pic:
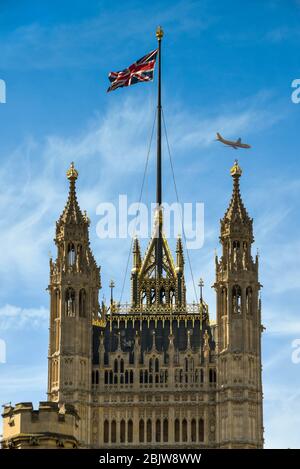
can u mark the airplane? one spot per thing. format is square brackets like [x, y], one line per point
[235, 145]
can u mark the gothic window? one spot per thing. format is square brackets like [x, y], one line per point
[201, 375]
[150, 365]
[71, 254]
[106, 377]
[126, 377]
[113, 435]
[82, 303]
[146, 377]
[142, 431]
[149, 431]
[144, 297]
[110, 377]
[157, 431]
[172, 297]
[224, 300]
[236, 299]
[122, 379]
[79, 257]
[201, 430]
[166, 430]
[116, 366]
[193, 430]
[116, 379]
[177, 430]
[70, 302]
[184, 430]
[131, 377]
[97, 377]
[56, 304]
[122, 431]
[122, 366]
[212, 376]
[106, 431]
[249, 300]
[156, 365]
[162, 296]
[152, 296]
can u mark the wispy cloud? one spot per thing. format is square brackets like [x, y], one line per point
[14, 317]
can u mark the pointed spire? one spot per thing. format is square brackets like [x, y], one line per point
[72, 213]
[179, 252]
[136, 255]
[236, 214]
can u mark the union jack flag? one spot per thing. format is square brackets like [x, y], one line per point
[141, 70]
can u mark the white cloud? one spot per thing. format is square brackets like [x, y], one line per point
[15, 317]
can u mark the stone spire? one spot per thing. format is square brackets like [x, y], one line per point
[72, 213]
[236, 219]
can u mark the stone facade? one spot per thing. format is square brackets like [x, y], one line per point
[157, 373]
[52, 426]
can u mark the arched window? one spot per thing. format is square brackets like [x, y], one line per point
[113, 435]
[70, 302]
[149, 431]
[122, 431]
[82, 303]
[110, 377]
[56, 304]
[201, 375]
[157, 431]
[131, 377]
[201, 430]
[97, 377]
[150, 365]
[249, 300]
[116, 366]
[146, 377]
[130, 431]
[106, 377]
[122, 365]
[224, 300]
[79, 257]
[177, 430]
[106, 431]
[71, 254]
[126, 377]
[162, 296]
[156, 365]
[193, 430]
[144, 297]
[166, 430]
[142, 431]
[184, 430]
[172, 297]
[152, 296]
[212, 376]
[236, 299]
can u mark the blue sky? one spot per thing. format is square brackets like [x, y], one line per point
[226, 68]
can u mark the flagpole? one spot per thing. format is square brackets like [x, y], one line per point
[159, 254]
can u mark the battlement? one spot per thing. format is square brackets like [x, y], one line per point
[52, 425]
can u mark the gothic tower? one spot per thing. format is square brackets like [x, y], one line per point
[74, 287]
[239, 386]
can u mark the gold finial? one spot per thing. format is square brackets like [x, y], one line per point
[159, 33]
[72, 173]
[236, 170]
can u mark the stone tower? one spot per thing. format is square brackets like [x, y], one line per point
[238, 344]
[74, 287]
